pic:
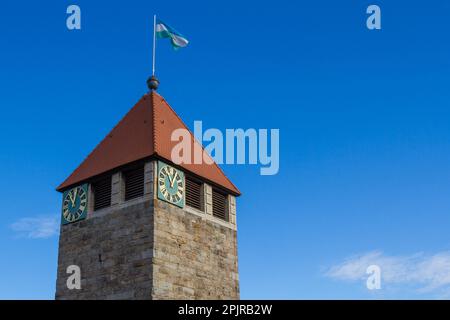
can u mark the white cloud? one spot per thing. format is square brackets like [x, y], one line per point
[426, 273]
[36, 227]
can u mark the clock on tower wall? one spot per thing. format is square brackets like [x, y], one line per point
[74, 207]
[170, 184]
[127, 204]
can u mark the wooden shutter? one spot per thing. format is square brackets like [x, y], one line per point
[102, 193]
[194, 193]
[134, 183]
[219, 205]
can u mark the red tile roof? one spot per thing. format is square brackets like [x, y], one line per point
[145, 131]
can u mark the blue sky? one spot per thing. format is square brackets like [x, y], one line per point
[363, 117]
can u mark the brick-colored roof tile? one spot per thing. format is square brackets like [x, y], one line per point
[144, 131]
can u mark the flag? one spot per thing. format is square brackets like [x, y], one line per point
[163, 30]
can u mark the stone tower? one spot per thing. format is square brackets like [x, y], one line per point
[139, 226]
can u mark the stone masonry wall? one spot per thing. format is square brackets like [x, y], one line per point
[148, 249]
[113, 248]
[194, 258]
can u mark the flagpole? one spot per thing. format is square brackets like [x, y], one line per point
[152, 82]
[154, 44]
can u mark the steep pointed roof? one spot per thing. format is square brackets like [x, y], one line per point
[145, 131]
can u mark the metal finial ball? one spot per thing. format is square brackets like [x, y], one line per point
[152, 83]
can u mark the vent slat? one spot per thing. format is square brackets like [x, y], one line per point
[102, 193]
[194, 194]
[134, 183]
[219, 204]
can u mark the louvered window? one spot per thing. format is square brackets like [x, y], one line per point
[134, 183]
[194, 193]
[219, 205]
[102, 193]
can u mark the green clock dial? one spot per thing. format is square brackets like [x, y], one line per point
[170, 184]
[74, 204]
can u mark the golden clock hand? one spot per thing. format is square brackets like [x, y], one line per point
[170, 179]
[70, 198]
[172, 182]
[75, 197]
[169, 175]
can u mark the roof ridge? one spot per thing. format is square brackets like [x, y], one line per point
[129, 140]
[195, 140]
[101, 141]
[152, 103]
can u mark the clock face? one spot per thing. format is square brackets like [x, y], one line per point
[170, 184]
[74, 204]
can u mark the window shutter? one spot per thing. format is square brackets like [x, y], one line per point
[194, 194]
[219, 205]
[102, 193]
[134, 183]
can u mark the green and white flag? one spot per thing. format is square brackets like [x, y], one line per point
[163, 30]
